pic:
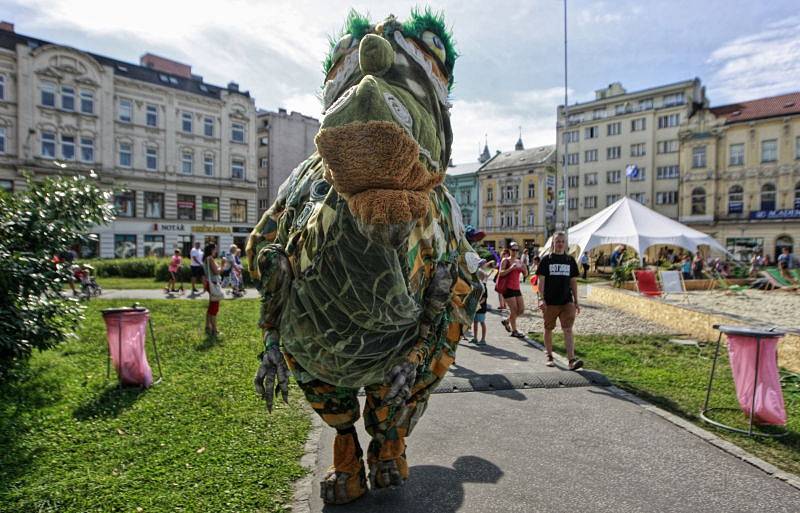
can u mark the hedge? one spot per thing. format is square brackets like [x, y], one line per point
[156, 268]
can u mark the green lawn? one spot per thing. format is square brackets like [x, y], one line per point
[71, 441]
[675, 378]
[135, 283]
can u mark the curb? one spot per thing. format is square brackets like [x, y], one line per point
[303, 486]
[728, 447]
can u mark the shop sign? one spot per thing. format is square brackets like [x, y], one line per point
[787, 213]
[200, 228]
[161, 227]
[186, 204]
[242, 229]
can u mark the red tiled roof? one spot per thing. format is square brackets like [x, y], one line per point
[774, 106]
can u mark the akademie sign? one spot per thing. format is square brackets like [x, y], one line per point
[788, 213]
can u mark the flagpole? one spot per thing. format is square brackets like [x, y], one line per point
[565, 131]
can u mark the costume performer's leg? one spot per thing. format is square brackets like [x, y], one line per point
[346, 479]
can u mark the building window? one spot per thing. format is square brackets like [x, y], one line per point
[208, 165]
[639, 124]
[670, 100]
[154, 204]
[67, 98]
[699, 157]
[151, 158]
[768, 196]
[797, 147]
[48, 145]
[238, 210]
[638, 150]
[614, 152]
[599, 114]
[667, 198]
[2, 87]
[48, 94]
[735, 200]
[125, 204]
[669, 121]
[186, 207]
[614, 128]
[125, 111]
[2, 140]
[590, 156]
[187, 162]
[68, 147]
[124, 246]
[638, 196]
[151, 117]
[590, 179]
[210, 208]
[7, 186]
[263, 141]
[572, 203]
[667, 146]
[613, 176]
[531, 190]
[572, 136]
[125, 154]
[572, 159]
[736, 155]
[590, 132]
[611, 198]
[489, 194]
[575, 118]
[262, 204]
[667, 172]
[646, 104]
[797, 195]
[619, 109]
[698, 201]
[237, 169]
[590, 202]
[237, 132]
[769, 150]
[87, 101]
[208, 126]
[87, 149]
[263, 163]
[154, 246]
[186, 122]
[572, 181]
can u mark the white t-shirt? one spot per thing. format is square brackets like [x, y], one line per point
[197, 257]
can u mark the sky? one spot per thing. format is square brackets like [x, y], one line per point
[510, 73]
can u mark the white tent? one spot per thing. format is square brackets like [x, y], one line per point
[631, 223]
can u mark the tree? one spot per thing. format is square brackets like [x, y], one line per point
[36, 225]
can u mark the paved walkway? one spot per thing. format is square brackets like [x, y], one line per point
[522, 443]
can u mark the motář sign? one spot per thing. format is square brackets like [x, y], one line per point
[787, 213]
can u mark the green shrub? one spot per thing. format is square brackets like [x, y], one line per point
[126, 267]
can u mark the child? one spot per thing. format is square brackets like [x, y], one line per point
[174, 266]
[480, 315]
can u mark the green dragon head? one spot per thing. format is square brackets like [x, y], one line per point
[386, 136]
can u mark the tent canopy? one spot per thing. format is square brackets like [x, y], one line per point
[631, 223]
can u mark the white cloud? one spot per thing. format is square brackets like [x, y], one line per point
[761, 64]
[474, 120]
[597, 14]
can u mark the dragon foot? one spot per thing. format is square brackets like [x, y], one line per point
[389, 469]
[346, 479]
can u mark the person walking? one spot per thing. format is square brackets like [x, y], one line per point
[196, 265]
[237, 282]
[585, 263]
[686, 267]
[500, 300]
[697, 267]
[558, 298]
[215, 293]
[511, 268]
[785, 262]
[174, 268]
[526, 261]
[484, 268]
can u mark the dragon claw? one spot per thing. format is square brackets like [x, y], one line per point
[272, 377]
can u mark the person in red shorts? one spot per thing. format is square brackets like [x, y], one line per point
[558, 297]
[215, 294]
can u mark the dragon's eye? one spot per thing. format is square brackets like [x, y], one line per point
[434, 44]
[344, 44]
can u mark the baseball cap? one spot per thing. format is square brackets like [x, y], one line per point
[513, 245]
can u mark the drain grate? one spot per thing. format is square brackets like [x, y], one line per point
[520, 380]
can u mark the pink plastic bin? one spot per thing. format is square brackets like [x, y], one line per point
[768, 407]
[125, 330]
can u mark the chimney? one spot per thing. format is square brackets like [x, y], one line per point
[233, 86]
[155, 62]
[7, 26]
[281, 110]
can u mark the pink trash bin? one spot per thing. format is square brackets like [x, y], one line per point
[126, 330]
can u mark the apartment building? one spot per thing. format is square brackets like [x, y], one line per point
[284, 141]
[601, 138]
[461, 181]
[741, 174]
[179, 153]
[517, 196]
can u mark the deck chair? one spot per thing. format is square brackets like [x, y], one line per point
[725, 286]
[672, 283]
[646, 282]
[773, 275]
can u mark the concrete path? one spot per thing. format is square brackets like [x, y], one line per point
[160, 294]
[537, 446]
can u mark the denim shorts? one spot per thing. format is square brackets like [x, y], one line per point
[480, 317]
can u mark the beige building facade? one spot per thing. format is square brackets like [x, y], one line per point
[601, 138]
[517, 196]
[179, 153]
[741, 174]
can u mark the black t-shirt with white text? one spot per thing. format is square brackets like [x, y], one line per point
[557, 270]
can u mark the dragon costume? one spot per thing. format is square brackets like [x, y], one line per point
[365, 272]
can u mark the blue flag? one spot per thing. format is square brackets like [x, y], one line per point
[632, 171]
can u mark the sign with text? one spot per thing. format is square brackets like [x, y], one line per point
[200, 228]
[787, 213]
[550, 193]
[161, 227]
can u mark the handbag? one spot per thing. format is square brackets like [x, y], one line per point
[501, 284]
[215, 292]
